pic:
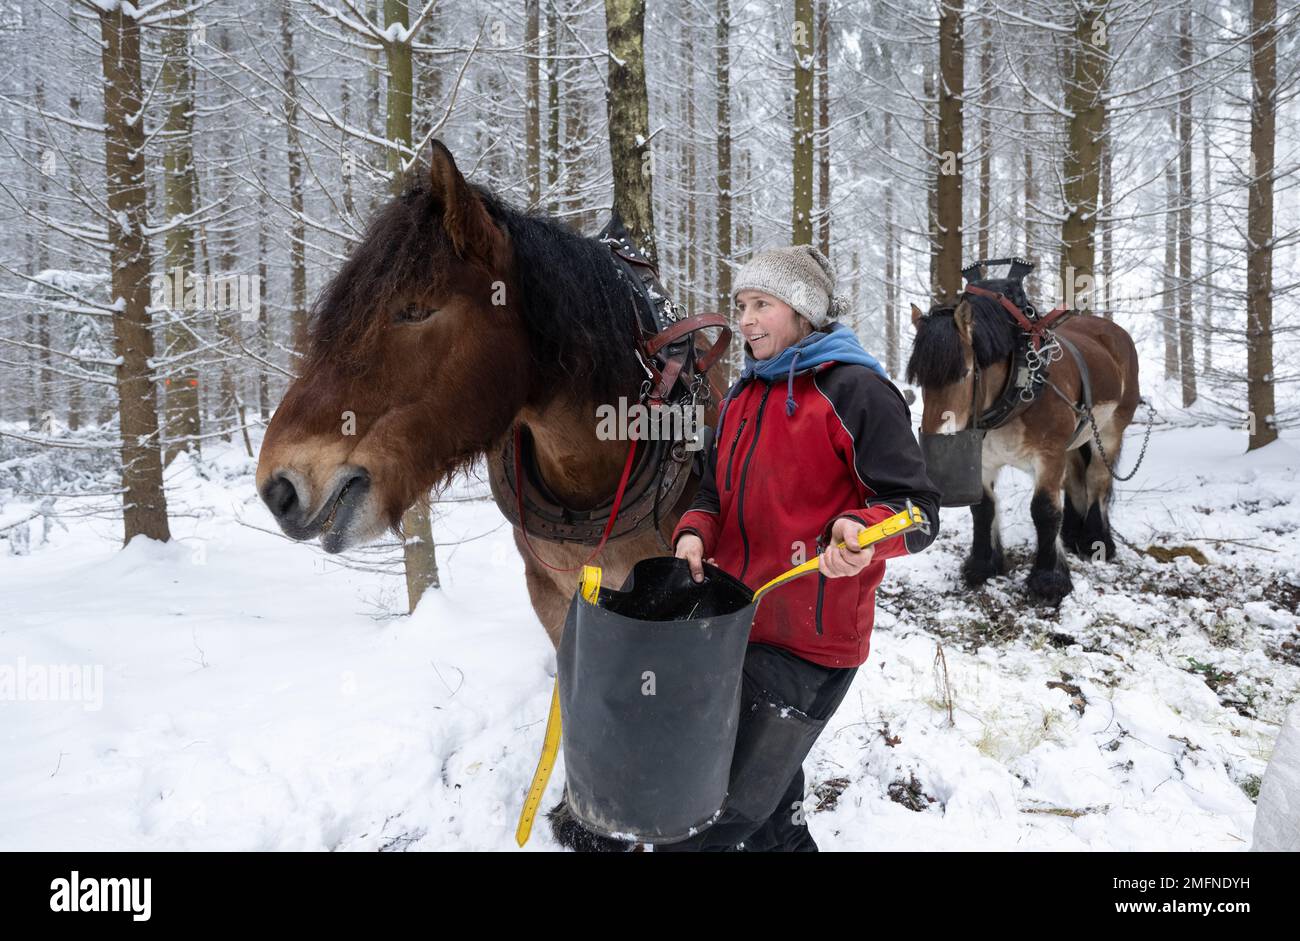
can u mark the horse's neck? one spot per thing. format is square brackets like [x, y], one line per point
[579, 468]
[993, 379]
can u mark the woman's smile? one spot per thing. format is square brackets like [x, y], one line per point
[769, 325]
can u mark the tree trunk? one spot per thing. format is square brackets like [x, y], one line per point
[297, 226]
[1259, 224]
[1031, 191]
[1107, 234]
[144, 501]
[181, 396]
[552, 109]
[986, 134]
[931, 163]
[532, 91]
[401, 92]
[824, 126]
[950, 143]
[227, 320]
[1207, 321]
[1186, 345]
[629, 123]
[723, 159]
[1082, 159]
[891, 273]
[691, 208]
[801, 199]
[43, 388]
[75, 393]
[575, 120]
[1169, 293]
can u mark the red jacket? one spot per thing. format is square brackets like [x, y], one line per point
[775, 482]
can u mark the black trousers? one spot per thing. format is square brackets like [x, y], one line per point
[785, 704]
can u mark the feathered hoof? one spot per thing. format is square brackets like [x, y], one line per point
[1049, 585]
[975, 572]
[572, 835]
[1085, 545]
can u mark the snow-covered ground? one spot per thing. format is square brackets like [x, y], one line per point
[258, 695]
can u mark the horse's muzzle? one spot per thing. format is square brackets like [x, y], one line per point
[954, 463]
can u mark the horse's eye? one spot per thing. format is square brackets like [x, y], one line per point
[414, 313]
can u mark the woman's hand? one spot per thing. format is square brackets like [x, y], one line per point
[691, 548]
[837, 562]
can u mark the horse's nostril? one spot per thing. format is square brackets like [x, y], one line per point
[280, 496]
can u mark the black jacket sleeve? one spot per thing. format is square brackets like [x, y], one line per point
[886, 454]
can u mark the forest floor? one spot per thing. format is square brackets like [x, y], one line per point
[258, 694]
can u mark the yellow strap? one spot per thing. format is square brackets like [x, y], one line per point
[590, 588]
[899, 522]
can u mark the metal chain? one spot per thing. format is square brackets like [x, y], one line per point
[1036, 360]
[1096, 436]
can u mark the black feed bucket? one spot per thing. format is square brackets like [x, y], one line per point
[954, 462]
[649, 689]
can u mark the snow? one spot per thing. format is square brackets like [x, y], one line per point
[254, 695]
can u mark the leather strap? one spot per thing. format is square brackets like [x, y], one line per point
[609, 525]
[1035, 328]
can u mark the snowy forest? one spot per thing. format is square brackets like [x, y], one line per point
[182, 178]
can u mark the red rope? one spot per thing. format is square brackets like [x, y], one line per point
[613, 513]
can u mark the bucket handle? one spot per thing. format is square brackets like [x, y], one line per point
[910, 517]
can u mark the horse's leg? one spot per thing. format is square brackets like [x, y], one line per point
[1075, 506]
[1097, 537]
[1050, 578]
[985, 560]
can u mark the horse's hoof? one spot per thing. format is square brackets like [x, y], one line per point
[572, 835]
[976, 572]
[1049, 585]
[1078, 544]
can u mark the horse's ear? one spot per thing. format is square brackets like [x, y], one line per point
[916, 317]
[471, 229]
[961, 317]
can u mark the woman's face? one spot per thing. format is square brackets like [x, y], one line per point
[768, 325]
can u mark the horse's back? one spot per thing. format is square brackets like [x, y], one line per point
[1112, 359]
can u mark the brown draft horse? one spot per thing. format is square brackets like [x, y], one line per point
[1048, 439]
[454, 319]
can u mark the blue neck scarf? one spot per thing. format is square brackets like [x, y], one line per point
[840, 345]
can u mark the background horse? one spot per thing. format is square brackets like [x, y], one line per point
[1044, 439]
[454, 319]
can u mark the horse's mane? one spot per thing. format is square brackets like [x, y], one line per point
[577, 310]
[937, 359]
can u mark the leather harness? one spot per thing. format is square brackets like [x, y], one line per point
[1029, 363]
[675, 376]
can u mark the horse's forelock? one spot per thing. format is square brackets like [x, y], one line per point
[937, 356]
[398, 252]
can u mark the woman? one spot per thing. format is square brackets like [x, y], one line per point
[787, 476]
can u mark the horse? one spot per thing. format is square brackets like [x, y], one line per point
[456, 320]
[964, 357]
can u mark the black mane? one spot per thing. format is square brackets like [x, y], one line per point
[937, 358]
[576, 307]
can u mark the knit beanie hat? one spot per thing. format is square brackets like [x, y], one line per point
[801, 276]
